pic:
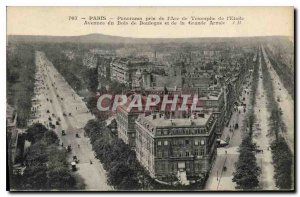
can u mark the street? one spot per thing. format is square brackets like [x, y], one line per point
[228, 156]
[261, 137]
[58, 103]
[286, 103]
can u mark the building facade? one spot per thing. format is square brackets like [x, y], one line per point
[184, 148]
[123, 70]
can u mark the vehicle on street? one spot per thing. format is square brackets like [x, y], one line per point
[69, 149]
[236, 126]
[75, 159]
[73, 164]
[221, 143]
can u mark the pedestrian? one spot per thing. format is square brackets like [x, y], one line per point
[78, 146]
[91, 162]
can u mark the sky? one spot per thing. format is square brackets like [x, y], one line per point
[258, 21]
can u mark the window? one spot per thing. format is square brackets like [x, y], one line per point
[162, 167]
[165, 153]
[187, 142]
[175, 132]
[201, 151]
[196, 166]
[166, 143]
[158, 132]
[159, 143]
[202, 142]
[196, 153]
[174, 142]
[159, 154]
[180, 154]
[180, 142]
[165, 132]
[196, 142]
[187, 154]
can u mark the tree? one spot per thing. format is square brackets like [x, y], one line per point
[247, 171]
[35, 132]
[94, 129]
[50, 137]
[61, 178]
[36, 154]
[36, 177]
[283, 161]
[92, 78]
[122, 177]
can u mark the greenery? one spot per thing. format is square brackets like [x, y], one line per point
[20, 69]
[46, 165]
[69, 69]
[283, 161]
[284, 72]
[254, 81]
[246, 170]
[277, 124]
[118, 159]
[282, 156]
[91, 75]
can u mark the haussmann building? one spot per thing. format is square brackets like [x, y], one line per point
[183, 148]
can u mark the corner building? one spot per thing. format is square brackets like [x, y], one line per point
[182, 148]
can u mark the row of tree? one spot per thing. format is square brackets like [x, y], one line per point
[20, 67]
[286, 75]
[118, 159]
[282, 156]
[246, 169]
[46, 165]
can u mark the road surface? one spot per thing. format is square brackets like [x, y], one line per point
[54, 95]
[228, 156]
[261, 135]
[286, 103]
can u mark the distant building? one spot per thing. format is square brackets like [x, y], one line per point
[126, 122]
[103, 63]
[123, 70]
[184, 148]
[197, 82]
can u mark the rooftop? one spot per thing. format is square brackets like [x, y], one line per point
[159, 120]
